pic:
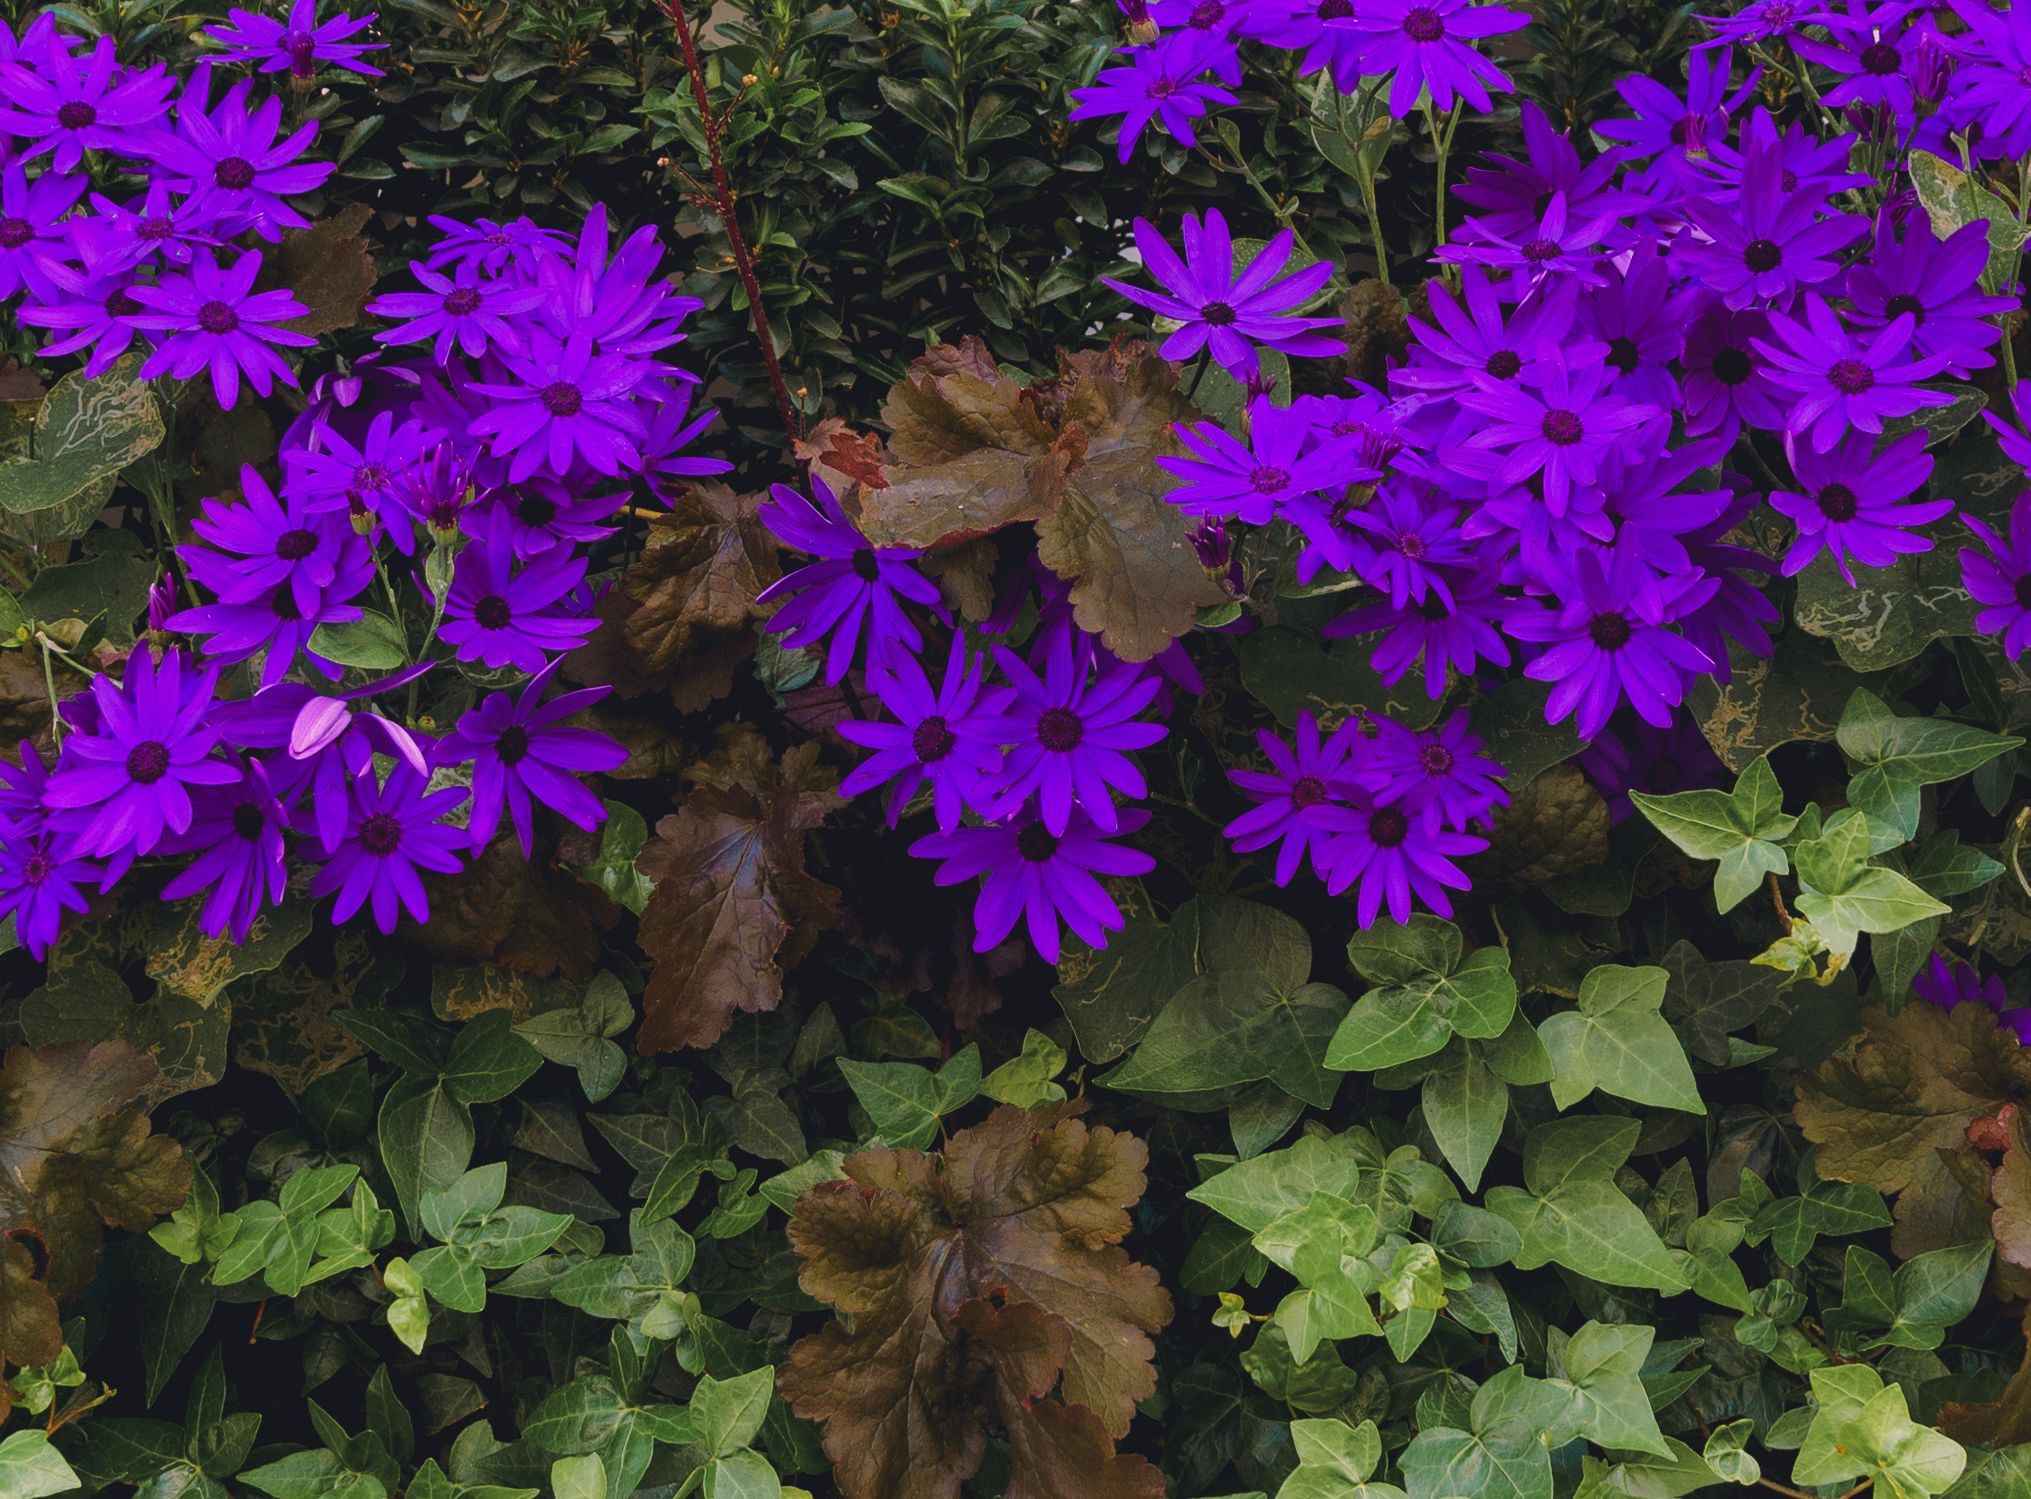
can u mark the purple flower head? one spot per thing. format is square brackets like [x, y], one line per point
[240, 868]
[213, 318]
[1439, 769]
[461, 311]
[1853, 502]
[1559, 246]
[1484, 334]
[1762, 21]
[34, 240]
[119, 791]
[1408, 543]
[933, 738]
[2001, 581]
[298, 45]
[1038, 876]
[1726, 375]
[539, 514]
[1811, 165]
[1397, 858]
[1641, 320]
[1935, 282]
[1666, 122]
[854, 587]
[1460, 629]
[1214, 17]
[1993, 81]
[522, 757]
[1841, 381]
[1428, 45]
[1315, 27]
[1165, 83]
[1769, 241]
[70, 103]
[229, 160]
[1951, 985]
[436, 491]
[490, 245]
[1305, 777]
[1872, 49]
[40, 879]
[1226, 312]
[499, 615]
[330, 473]
[21, 785]
[157, 226]
[1561, 432]
[1507, 195]
[1738, 612]
[1252, 482]
[672, 429]
[33, 38]
[393, 830]
[1071, 727]
[566, 403]
[1653, 760]
[1608, 639]
[91, 312]
[620, 303]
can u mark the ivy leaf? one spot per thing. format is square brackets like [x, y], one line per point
[1497, 1454]
[32, 1469]
[1257, 1192]
[1026, 1079]
[1836, 1209]
[1710, 1002]
[1618, 1041]
[1427, 994]
[1227, 1028]
[1893, 757]
[1571, 1212]
[1914, 1305]
[1603, 1375]
[906, 1101]
[85, 432]
[1740, 828]
[1335, 1461]
[1862, 1428]
[973, 1281]
[732, 895]
[1324, 1245]
[1843, 895]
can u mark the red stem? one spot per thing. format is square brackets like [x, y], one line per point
[743, 263]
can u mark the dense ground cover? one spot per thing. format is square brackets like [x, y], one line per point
[1203, 748]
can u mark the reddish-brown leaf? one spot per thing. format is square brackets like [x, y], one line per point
[522, 914]
[2002, 1422]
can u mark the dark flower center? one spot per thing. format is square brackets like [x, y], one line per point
[1410, 544]
[283, 603]
[235, 174]
[119, 304]
[1904, 302]
[1562, 428]
[1680, 129]
[1622, 355]
[932, 740]
[492, 612]
[148, 761]
[1540, 250]
[1336, 10]
[154, 229]
[1609, 631]
[291, 545]
[1881, 58]
[1163, 88]
[1269, 480]
[1309, 791]
[36, 868]
[1435, 758]
[1207, 15]
[249, 821]
[1850, 376]
[1837, 502]
[535, 510]
[217, 317]
[1778, 14]
[1731, 366]
[1036, 843]
[1504, 363]
[1664, 775]
[462, 302]
[1422, 24]
[2024, 592]
[1059, 729]
[1388, 827]
[866, 566]
[561, 398]
[1216, 314]
[1762, 255]
[15, 232]
[76, 115]
[499, 237]
[513, 745]
[381, 833]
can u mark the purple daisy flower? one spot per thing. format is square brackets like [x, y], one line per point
[1559, 247]
[230, 161]
[1071, 728]
[1440, 769]
[1768, 242]
[214, 318]
[1508, 194]
[1666, 122]
[1165, 83]
[1460, 631]
[1227, 313]
[620, 303]
[40, 879]
[1252, 482]
[280, 617]
[1640, 319]
[1312, 27]
[1761, 21]
[1039, 876]
[1738, 613]
[1408, 543]
[672, 429]
[854, 588]
[297, 45]
[237, 835]
[539, 514]
[1726, 376]
[457, 311]
[1871, 48]
[1398, 860]
[394, 829]
[1305, 777]
[93, 312]
[68, 103]
[1609, 639]
[1562, 431]
[1938, 283]
[1486, 335]
[1652, 760]
[119, 791]
[1428, 44]
[259, 543]
[32, 232]
[332, 473]
[1851, 502]
[157, 226]
[931, 739]
[519, 750]
[567, 403]
[501, 616]
[1841, 381]
[2001, 581]
[1995, 53]
[491, 245]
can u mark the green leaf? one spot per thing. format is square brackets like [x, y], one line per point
[582, 1477]
[85, 432]
[1429, 994]
[1727, 1453]
[906, 1101]
[1862, 1428]
[1026, 1080]
[728, 1413]
[1952, 199]
[1604, 1368]
[373, 642]
[1572, 1212]
[1740, 828]
[741, 1475]
[1893, 757]
[1843, 895]
[426, 1139]
[1465, 1106]
[1257, 1192]
[1618, 1041]
[1227, 1028]
[488, 1060]
[1335, 1461]
[30, 1468]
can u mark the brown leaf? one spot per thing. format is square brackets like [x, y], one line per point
[732, 898]
[2002, 1422]
[74, 1156]
[30, 1332]
[328, 267]
[1893, 1106]
[972, 1283]
[1556, 825]
[1127, 552]
[855, 457]
[2010, 1189]
[521, 914]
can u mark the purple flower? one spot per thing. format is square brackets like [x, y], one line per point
[157, 226]
[1561, 432]
[672, 429]
[40, 879]
[259, 543]
[1305, 778]
[853, 588]
[1665, 123]
[1070, 729]
[1762, 21]
[618, 303]
[1036, 875]
[1726, 375]
[32, 234]
[1559, 246]
[567, 403]
[276, 620]
[120, 790]
[1485, 334]
[393, 830]
[331, 473]
[297, 45]
[229, 160]
[214, 318]
[237, 835]
[1316, 27]
[539, 514]
[1951, 985]
[1641, 321]
[1768, 241]
[1440, 769]
[1164, 82]
[519, 751]
[499, 616]
[1994, 82]
[457, 311]
[1653, 760]
[1937, 283]
[1226, 313]
[1609, 639]
[1841, 381]
[1871, 48]
[1458, 632]
[95, 312]
[1850, 502]
[490, 245]
[1251, 483]
[2001, 581]
[1508, 194]
[1428, 45]
[70, 104]
[1408, 543]
[932, 738]
[1398, 859]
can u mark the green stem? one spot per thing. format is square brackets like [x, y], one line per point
[1442, 148]
[1374, 217]
[49, 685]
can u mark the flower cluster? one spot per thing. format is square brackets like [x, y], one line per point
[443, 498]
[1953, 984]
